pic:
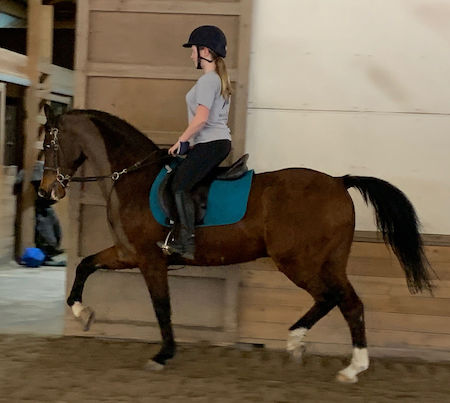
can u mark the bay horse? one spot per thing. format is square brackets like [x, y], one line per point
[303, 219]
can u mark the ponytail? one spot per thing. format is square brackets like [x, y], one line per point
[221, 70]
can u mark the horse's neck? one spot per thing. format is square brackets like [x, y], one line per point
[106, 155]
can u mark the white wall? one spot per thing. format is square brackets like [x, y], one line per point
[358, 87]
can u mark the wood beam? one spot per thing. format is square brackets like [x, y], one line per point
[167, 7]
[13, 8]
[81, 51]
[2, 124]
[13, 67]
[128, 70]
[39, 45]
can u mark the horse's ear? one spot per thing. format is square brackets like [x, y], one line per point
[49, 114]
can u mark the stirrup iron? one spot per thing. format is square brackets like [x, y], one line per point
[165, 247]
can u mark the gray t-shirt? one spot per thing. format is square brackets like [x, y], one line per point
[206, 92]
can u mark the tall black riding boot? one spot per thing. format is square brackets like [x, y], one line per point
[184, 241]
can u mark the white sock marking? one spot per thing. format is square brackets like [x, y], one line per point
[295, 339]
[77, 307]
[359, 363]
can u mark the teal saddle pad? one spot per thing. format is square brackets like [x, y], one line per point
[227, 200]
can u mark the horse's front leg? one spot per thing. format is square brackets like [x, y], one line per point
[158, 286]
[106, 259]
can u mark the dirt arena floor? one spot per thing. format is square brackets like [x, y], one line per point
[70, 369]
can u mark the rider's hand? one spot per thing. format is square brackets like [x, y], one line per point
[174, 148]
[179, 148]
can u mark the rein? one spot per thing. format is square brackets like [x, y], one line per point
[114, 176]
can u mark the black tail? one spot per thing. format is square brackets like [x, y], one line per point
[398, 222]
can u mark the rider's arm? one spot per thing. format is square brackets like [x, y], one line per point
[196, 124]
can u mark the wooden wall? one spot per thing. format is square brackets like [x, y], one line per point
[130, 62]
[397, 322]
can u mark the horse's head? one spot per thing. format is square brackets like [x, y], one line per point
[63, 155]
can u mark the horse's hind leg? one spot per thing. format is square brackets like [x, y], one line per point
[353, 311]
[106, 259]
[329, 287]
[324, 303]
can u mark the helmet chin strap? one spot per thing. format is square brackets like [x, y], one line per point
[200, 58]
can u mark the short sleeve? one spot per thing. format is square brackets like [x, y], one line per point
[208, 87]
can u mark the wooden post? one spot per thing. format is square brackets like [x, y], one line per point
[2, 123]
[39, 49]
[240, 119]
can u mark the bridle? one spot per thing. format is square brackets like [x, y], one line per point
[65, 178]
[62, 179]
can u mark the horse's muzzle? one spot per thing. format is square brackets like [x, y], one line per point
[55, 192]
[43, 193]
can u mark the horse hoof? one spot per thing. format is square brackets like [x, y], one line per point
[153, 366]
[340, 377]
[87, 316]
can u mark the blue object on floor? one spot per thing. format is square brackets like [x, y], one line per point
[33, 257]
[227, 200]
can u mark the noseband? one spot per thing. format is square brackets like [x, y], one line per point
[64, 179]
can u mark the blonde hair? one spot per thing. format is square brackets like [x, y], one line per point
[221, 70]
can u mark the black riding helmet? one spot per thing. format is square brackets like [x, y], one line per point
[210, 37]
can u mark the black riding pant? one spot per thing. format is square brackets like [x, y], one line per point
[200, 161]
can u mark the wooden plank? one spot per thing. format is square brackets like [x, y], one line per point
[162, 137]
[62, 80]
[435, 253]
[81, 52]
[366, 285]
[363, 284]
[373, 320]
[92, 199]
[97, 69]
[428, 239]
[149, 105]
[153, 39]
[46, 35]
[367, 266]
[168, 7]
[14, 64]
[62, 99]
[241, 96]
[389, 268]
[384, 303]
[2, 125]
[391, 338]
[364, 252]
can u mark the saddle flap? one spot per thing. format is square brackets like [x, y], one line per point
[228, 196]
